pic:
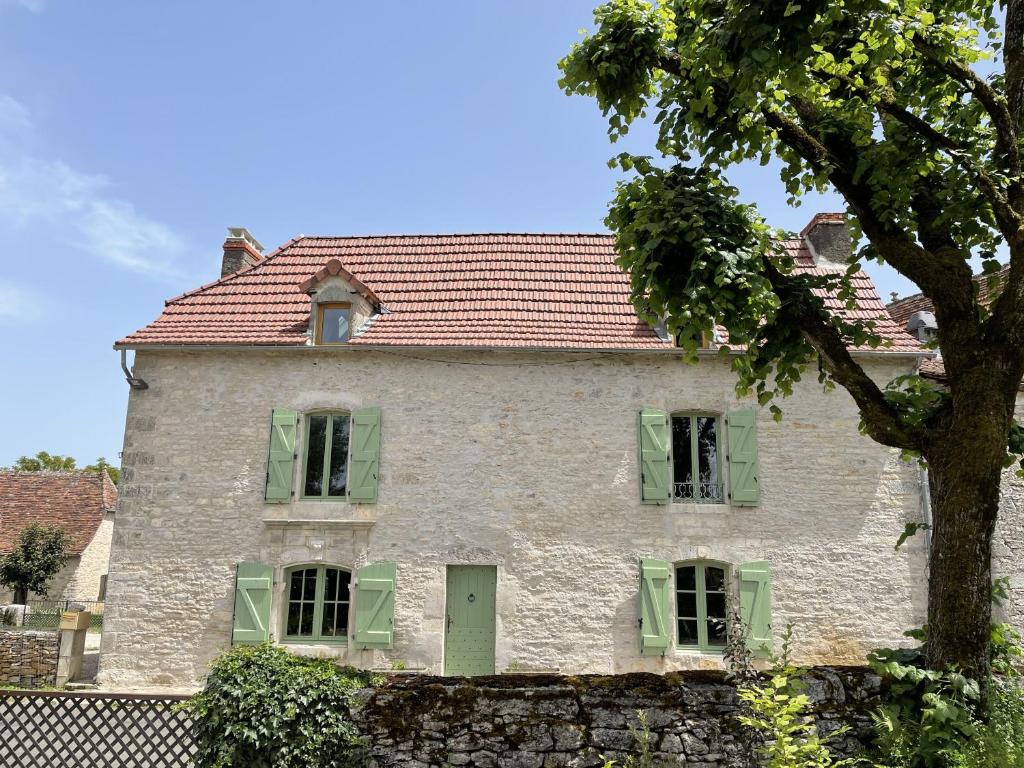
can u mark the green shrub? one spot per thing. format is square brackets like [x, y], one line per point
[777, 709]
[264, 707]
[999, 742]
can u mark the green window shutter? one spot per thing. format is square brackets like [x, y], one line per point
[281, 455]
[654, 607]
[755, 587]
[743, 487]
[653, 456]
[251, 623]
[375, 606]
[364, 455]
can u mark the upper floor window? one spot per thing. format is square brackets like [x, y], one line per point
[333, 324]
[326, 468]
[696, 474]
[317, 603]
[700, 605]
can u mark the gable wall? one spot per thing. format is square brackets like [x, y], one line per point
[529, 467]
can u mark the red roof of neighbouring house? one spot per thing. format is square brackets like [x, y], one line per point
[76, 501]
[499, 290]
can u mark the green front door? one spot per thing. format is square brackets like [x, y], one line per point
[469, 639]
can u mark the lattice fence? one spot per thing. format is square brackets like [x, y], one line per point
[44, 729]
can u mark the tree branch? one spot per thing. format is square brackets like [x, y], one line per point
[882, 421]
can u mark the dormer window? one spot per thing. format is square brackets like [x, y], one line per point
[333, 323]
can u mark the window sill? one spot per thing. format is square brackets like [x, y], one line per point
[343, 643]
[691, 650]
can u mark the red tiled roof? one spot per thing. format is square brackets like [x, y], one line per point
[499, 290]
[76, 501]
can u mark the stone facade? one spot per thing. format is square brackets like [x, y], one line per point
[584, 721]
[527, 461]
[1008, 543]
[28, 658]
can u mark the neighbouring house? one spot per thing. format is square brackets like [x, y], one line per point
[916, 314]
[82, 503]
[469, 454]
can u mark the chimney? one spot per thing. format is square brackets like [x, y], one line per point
[241, 250]
[829, 239]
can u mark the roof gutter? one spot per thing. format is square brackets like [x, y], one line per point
[676, 351]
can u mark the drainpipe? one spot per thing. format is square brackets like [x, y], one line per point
[133, 381]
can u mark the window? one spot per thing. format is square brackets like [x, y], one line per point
[695, 472]
[333, 324]
[326, 475]
[317, 604]
[700, 605]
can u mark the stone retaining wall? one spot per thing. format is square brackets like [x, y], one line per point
[28, 658]
[523, 721]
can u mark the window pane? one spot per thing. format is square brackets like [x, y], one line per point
[294, 609]
[686, 577]
[316, 444]
[327, 623]
[295, 592]
[714, 579]
[716, 605]
[686, 605]
[716, 632]
[330, 585]
[339, 455]
[687, 631]
[309, 592]
[306, 624]
[335, 325]
[707, 456]
[682, 459]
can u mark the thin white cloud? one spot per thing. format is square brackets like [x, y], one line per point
[17, 304]
[32, 5]
[77, 207]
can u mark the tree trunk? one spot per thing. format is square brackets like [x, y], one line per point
[20, 596]
[965, 473]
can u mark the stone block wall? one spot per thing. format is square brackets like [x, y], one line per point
[28, 658]
[517, 721]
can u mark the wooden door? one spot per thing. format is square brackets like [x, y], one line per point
[470, 601]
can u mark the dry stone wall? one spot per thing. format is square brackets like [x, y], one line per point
[28, 659]
[551, 722]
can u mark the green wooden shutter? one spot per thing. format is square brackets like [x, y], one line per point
[653, 425]
[281, 455]
[743, 487]
[756, 605]
[251, 623]
[364, 457]
[654, 607]
[375, 606]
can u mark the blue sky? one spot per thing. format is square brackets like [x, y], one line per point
[133, 133]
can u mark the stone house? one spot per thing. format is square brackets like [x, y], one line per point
[83, 504]
[916, 314]
[469, 454]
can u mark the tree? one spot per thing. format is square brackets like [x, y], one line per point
[38, 555]
[885, 102]
[102, 465]
[44, 462]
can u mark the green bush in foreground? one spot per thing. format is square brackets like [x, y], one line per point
[264, 707]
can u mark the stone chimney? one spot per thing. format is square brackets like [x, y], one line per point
[241, 250]
[829, 239]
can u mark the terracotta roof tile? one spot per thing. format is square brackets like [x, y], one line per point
[76, 501]
[485, 290]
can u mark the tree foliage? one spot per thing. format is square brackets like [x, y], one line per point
[36, 557]
[47, 462]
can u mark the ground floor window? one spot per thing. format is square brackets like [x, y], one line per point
[317, 603]
[700, 605]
